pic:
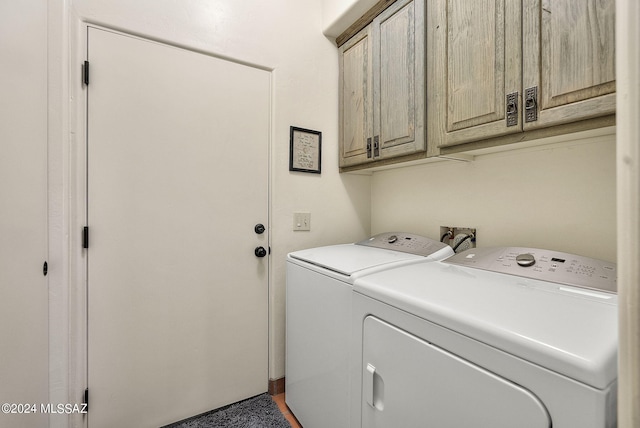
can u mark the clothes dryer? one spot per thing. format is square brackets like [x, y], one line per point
[318, 318]
[500, 338]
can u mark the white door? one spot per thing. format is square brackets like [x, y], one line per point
[177, 180]
[24, 295]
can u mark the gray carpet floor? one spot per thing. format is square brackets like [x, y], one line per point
[257, 412]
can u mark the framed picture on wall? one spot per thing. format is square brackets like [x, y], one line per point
[305, 151]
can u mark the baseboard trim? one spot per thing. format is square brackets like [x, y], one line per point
[276, 386]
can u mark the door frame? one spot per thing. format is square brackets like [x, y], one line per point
[72, 316]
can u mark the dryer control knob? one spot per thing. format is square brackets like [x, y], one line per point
[392, 239]
[525, 260]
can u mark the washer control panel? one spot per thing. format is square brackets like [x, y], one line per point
[546, 265]
[406, 243]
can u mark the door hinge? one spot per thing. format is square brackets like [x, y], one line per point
[85, 73]
[85, 237]
[45, 268]
[86, 399]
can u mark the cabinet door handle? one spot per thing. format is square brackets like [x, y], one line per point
[512, 109]
[531, 104]
[369, 147]
[376, 146]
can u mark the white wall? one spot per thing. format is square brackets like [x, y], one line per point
[286, 37]
[559, 196]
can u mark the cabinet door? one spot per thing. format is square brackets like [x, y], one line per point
[356, 99]
[399, 87]
[569, 55]
[476, 64]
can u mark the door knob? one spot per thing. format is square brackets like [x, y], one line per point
[260, 252]
[259, 229]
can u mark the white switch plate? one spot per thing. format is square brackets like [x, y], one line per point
[301, 221]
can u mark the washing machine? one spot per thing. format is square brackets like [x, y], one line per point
[490, 337]
[318, 318]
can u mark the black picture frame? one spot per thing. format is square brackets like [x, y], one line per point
[305, 150]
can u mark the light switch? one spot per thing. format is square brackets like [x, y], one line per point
[301, 221]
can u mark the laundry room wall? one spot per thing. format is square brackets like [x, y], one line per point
[284, 36]
[559, 196]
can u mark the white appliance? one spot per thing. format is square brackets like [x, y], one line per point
[318, 323]
[499, 337]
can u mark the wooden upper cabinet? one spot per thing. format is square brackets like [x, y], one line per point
[569, 56]
[356, 98]
[490, 72]
[399, 86]
[474, 64]
[382, 87]
[499, 67]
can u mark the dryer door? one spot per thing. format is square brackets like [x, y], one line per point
[408, 382]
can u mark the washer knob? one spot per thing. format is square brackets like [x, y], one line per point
[392, 239]
[525, 260]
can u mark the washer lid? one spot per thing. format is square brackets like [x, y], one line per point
[566, 329]
[349, 259]
[378, 251]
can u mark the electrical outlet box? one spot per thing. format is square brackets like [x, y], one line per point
[301, 221]
[459, 238]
